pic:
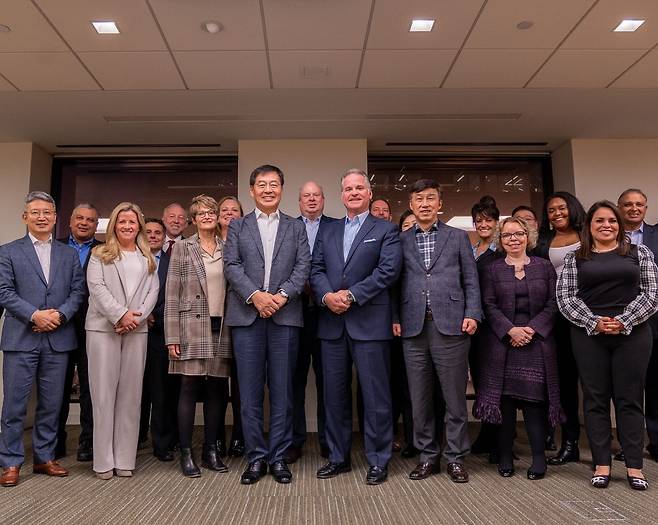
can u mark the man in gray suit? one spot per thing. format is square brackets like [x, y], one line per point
[439, 310]
[267, 262]
[41, 287]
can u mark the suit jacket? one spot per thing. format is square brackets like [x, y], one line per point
[186, 311]
[244, 266]
[307, 296]
[451, 281]
[108, 301]
[371, 269]
[23, 289]
[650, 240]
[158, 309]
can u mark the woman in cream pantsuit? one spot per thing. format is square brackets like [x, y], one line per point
[123, 289]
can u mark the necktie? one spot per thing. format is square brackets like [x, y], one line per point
[168, 250]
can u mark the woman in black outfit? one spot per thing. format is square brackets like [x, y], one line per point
[607, 290]
[559, 234]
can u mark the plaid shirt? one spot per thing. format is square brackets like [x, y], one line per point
[636, 312]
[426, 240]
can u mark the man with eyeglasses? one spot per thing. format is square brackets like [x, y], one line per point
[267, 262]
[41, 288]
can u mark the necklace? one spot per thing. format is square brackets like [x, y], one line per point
[597, 250]
[519, 266]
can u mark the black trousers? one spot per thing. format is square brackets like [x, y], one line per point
[77, 359]
[535, 417]
[400, 397]
[568, 379]
[234, 397]
[614, 367]
[651, 395]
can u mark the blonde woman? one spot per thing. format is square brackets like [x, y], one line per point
[123, 289]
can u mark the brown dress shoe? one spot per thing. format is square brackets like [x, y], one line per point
[52, 468]
[9, 476]
[424, 470]
[457, 473]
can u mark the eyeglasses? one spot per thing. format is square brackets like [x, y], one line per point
[41, 213]
[206, 213]
[517, 235]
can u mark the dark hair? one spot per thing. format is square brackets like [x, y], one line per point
[153, 219]
[486, 207]
[380, 199]
[586, 241]
[231, 198]
[523, 207]
[265, 168]
[631, 190]
[403, 217]
[425, 184]
[576, 220]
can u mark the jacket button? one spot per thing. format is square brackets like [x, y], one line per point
[429, 275]
[198, 297]
[198, 316]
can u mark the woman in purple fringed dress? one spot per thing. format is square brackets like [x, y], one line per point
[519, 366]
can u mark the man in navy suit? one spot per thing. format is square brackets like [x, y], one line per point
[355, 262]
[633, 207]
[311, 206]
[83, 224]
[41, 288]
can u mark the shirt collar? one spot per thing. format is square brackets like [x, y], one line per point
[175, 239]
[75, 242]
[639, 230]
[37, 241]
[259, 214]
[158, 254]
[361, 217]
[434, 227]
[310, 221]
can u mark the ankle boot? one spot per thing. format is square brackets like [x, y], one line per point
[567, 453]
[210, 459]
[187, 464]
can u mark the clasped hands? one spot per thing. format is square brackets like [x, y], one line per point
[337, 302]
[46, 320]
[520, 335]
[608, 326]
[469, 326]
[268, 304]
[128, 322]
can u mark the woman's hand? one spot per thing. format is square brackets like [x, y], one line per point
[520, 335]
[174, 351]
[128, 322]
[608, 326]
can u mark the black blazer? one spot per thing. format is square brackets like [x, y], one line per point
[650, 240]
[158, 311]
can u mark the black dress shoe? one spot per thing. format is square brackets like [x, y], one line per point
[254, 471]
[619, 456]
[376, 475]
[409, 452]
[85, 452]
[167, 455]
[236, 449]
[653, 451]
[280, 472]
[221, 448]
[637, 483]
[600, 481]
[424, 470]
[210, 459]
[533, 476]
[324, 451]
[331, 470]
[292, 454]
[568, 453]
[188, 465]
[506, 472]
[457, 473]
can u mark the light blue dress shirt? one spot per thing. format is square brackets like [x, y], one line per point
[312, 227]
[636, 236]
[352, 228]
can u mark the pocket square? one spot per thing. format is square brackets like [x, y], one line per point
[369, 240]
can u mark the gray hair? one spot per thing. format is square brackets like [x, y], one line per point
[86, 206]
[39, 196]
[311, 182]
[631, 190]
[356, 171]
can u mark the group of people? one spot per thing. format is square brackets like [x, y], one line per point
[154, 322]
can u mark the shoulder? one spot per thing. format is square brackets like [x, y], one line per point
[326, 219]
[540, 262]
[12, 245]
[643, 252]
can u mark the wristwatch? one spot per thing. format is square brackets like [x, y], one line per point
[283, 293]
[350, 297]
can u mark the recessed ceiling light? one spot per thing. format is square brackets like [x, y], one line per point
[212, 27]
[628, 26]
[421, 26]
[4, 29]
[107, 27]
[525, 24]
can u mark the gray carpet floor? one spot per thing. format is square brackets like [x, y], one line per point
[158, 493]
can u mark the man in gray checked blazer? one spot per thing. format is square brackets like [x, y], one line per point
[267, 262]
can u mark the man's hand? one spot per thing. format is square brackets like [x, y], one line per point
[265, 303]
[150, 321]
[469, 325]
[46, 320]
[397, 329]
[280, 300]
[337, 302]
[174, 351]
[128, 322]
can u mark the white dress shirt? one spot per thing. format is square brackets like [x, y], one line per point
[267, 226]
[43, 249]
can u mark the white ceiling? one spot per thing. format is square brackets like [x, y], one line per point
[326, 68]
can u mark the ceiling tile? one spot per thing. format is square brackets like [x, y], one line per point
[122, 70]
[644, 74]
[314, 69]
[181, 23]
[316, 24]
[392, 19]
[72, 18]
[6, 86]
[596, 31]
[495, 68]
[552, 20]
[29, 29]
[584, 68]
[405, 68]
[45, 72]
[224, 69]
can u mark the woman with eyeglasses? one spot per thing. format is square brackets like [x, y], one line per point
[198, 342]
[519, 368]
[608, 289]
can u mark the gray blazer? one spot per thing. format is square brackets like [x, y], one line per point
[107, 297]
[244, 267]
[451, 281]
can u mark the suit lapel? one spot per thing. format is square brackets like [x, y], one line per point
[122, 278]
[252, 226]
[55, 260]
[368, 225]
[340, 233]
[197, 263]
[31, 255]
[441, 238]
[410, 244]
[284, 224]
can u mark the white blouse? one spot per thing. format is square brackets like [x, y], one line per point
[131, 263]
[557, 255]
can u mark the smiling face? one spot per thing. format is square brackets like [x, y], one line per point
[205, 219]
[311, 200]
[558, 213]
[126, 228]
[485, 227]
[356, 194]
[155, 236]
[379, 208]
[266, 191]
[39, 217]
[514, 239]
[175, 220]
[229, 210]
[83, 224]
[408, 222]
[604, 228]
[425, 205]
[633, 208]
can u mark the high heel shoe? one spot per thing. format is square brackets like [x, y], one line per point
[534, 476]
[600, 481]
[188, 465]
[210, 459]
[637, 483]
[506, 472]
